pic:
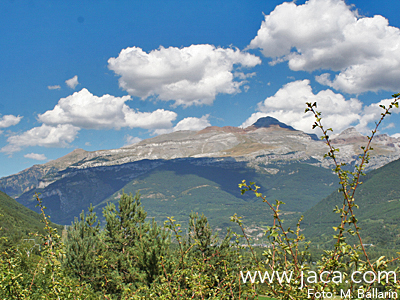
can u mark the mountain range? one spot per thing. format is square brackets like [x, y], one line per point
[186, 171]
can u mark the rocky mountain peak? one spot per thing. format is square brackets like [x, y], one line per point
[350, 135]
[350, 132]
[66, 160]
[267, 122]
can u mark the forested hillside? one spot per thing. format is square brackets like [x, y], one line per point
[378, 198]
[17, 221]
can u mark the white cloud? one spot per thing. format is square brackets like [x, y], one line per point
[129, 140]
[372, 113]
[288, 105]
[73, 82]
[162, 131]
[192, 123]
[36, 156]
[157, 119]
[85, 110]
[328, 34]
[189, 76]
[54, 87]
[9, 120]
[391, 125]
[45, 136]
[396, 135]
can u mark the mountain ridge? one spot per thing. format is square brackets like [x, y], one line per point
[267, 140]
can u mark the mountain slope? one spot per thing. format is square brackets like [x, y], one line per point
[31, 178]
[17, 221]
[179, 187]
[379, 213]
[176, 187]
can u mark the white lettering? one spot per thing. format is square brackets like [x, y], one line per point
[248, 274]
[373, 275]
[345, 295]
[310, 293]
[352, 277]
[266, 274]
[360, 293]
[314, 277]
[339, 276]
[386, 275]
[322, 279]
[288, 279]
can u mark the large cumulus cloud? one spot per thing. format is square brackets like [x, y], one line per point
[329, 35]
[46, 136]
[192, 123]
[85, 110]
[289, 102]
[189, 76]
[338, 113]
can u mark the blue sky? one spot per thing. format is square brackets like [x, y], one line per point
[103, 74]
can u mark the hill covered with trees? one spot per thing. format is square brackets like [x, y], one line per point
[18, 222]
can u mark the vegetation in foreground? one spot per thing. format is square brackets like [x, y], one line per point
[132, 258]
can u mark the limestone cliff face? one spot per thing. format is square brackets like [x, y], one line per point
[33, 177]
[267, 140]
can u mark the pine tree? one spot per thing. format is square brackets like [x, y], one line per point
[133, 246]
[83, 247]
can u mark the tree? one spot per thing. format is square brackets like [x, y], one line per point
[83, 247]
[134, 246]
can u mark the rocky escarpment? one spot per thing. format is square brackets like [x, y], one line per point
[266, 141]
[35, 176]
